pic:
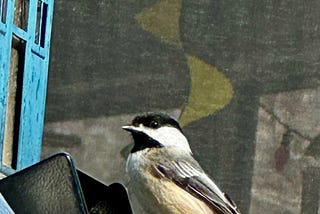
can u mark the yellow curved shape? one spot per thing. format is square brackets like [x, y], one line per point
[162, 20]
[210, 91]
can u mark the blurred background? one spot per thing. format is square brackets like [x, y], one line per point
[241, 76]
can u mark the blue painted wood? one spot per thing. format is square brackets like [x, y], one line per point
[34, 81]
[4, 206]
[7, 170]
[5, 48]
[34, 91]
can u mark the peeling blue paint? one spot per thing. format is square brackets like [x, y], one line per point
[34, 79]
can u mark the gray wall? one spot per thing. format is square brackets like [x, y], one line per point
[111, 60]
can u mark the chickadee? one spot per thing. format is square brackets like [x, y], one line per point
[164, 177]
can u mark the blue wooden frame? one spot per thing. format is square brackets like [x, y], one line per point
[35, 77]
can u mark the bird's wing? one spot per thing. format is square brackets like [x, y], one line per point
[190, 177]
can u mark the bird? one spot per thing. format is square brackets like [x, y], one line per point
[163, 175]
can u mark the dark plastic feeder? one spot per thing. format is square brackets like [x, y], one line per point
[54, 185]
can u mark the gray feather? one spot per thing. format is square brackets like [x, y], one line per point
[188, 175]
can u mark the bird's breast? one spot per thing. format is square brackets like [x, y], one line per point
[158, 194]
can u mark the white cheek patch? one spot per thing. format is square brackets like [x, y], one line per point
[169, 136]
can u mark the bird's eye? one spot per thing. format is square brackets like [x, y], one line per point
[154, 124]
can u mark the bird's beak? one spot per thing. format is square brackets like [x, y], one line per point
[131, 128]
[127, 128]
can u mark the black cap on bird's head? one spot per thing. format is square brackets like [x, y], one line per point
[153, 130]
[154, 121]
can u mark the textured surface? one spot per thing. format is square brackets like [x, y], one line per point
[102, 199]
[48, 187]
[285, 136]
